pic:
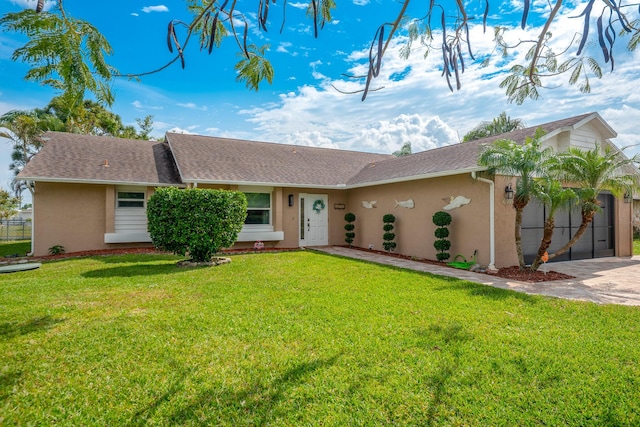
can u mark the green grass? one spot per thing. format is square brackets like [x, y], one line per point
[303, 339]
[11, 248]
[636, 247]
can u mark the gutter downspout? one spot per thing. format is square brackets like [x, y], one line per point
[33, 220]
[492, 231]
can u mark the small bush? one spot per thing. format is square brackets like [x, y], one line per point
[56, 250]
[388, 236]
[349, 235]
[442, 220]
[195, 221]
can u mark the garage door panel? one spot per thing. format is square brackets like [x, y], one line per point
[597, 241]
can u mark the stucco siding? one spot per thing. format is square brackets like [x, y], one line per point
[623, 228]
[70, 215]
[414, 228]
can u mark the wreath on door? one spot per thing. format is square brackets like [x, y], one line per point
[318, 206]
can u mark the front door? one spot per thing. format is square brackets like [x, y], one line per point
[314, 219]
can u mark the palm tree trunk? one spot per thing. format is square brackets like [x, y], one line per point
[587, 217]
[518, 236]
[547, 236]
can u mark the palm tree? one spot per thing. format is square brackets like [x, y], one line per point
[24, 129]
[550, 192]
[499, 125]
[594, 171]
[526, 162]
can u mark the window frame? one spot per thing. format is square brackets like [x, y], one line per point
[259, 190]
[119, 199]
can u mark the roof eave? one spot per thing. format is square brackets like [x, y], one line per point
[266, 184]
[97, 181]
[418, 177]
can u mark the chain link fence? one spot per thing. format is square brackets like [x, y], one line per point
[15, 229]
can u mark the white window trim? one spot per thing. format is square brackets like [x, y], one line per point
[252, 228]
[129, 236]
[253, 232]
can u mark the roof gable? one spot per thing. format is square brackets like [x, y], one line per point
[456, 158]
[68, 157]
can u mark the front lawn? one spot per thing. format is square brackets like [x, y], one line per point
[15, 248]
[299, 339]
[636, 247]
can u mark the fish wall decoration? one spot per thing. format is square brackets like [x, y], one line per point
[455, 202]
[408, 204]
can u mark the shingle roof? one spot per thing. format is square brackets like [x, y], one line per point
[213, 160]
[81, 158]
[203, 159]
[450, 159]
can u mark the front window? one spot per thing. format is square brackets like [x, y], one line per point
[130, 199]
[258, 209]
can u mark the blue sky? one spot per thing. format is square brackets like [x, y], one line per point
[302, 106]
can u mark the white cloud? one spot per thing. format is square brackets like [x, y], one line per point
[140, 106]
[192, 106]
[283, 47]
[177, 129]
[31, 4]
[134, 14]
[159, 8]
[302, 6]
[416, 105]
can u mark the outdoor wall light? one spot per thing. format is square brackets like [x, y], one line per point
[508, 192]
[628, 198]
[290, 199]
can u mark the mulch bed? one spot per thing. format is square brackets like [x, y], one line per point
[511, 273]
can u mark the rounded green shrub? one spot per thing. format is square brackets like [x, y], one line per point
[442, 232]
[441, 218]
[443, 256]
[442, 245]
[199, 222]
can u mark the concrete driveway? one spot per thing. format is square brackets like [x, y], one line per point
[601, 280]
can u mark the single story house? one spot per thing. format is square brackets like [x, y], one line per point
[91, 193]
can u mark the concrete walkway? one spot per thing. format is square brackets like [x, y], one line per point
[601, 280]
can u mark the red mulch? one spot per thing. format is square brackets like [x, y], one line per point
[512, 273]
[100, 252]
